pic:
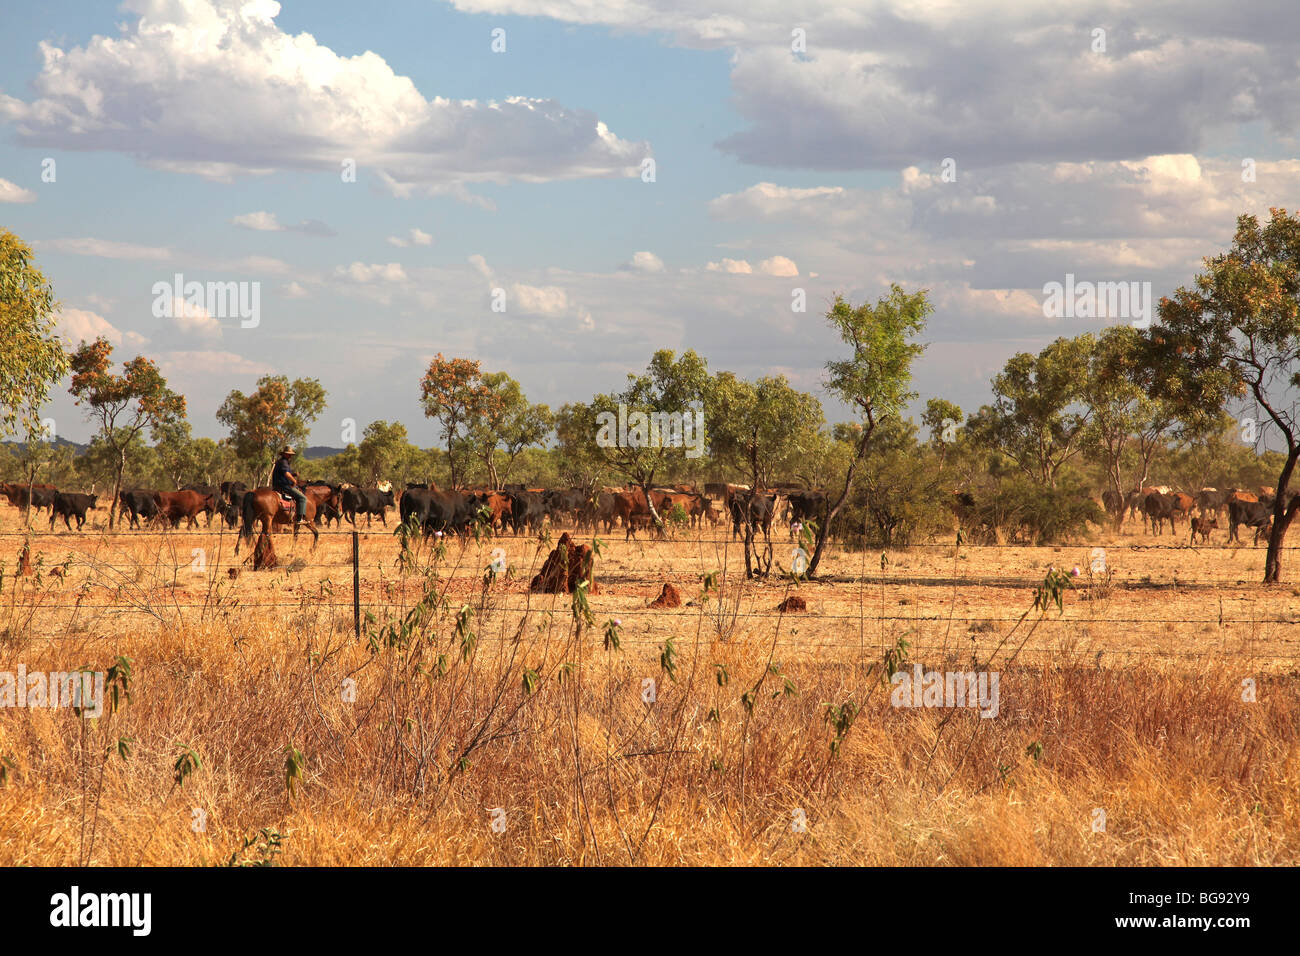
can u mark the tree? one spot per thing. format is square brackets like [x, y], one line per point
[453, 392]
[873, 380]
[944, 420]
[122, 405]
[278, 413]
[1237, 333]
[38, 454]
[98, 464]
[582, 462]
[31, 356]
[188, 460]
[663, 411]
[382, 446]
[897, 496]
[1038, 415]
[1126, 425]
[765, 429]
[506, 421]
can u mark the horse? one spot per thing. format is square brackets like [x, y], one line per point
[264, 505]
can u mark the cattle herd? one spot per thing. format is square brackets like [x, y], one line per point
[1202, 510]
[520, 509]
[515, 508]
[161, 509]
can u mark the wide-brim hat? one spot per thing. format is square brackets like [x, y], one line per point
[287, 450]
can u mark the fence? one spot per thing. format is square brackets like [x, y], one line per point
[975, 589]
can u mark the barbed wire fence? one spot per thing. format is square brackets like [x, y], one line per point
[99, 572]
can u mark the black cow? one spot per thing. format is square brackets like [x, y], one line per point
[437, 510]
[39, 498]
[138, 504]
[366, 501]
[526, 511]
[1212, 500]
[760, 509]
[70, 504]
[1160, 508]
[1253, 514]
[1113, 502]
[232, 507]
[566, 504]
[805, 505]
[1133, 502]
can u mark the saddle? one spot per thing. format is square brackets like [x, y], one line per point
[286, 500]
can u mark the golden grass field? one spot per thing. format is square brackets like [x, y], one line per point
[512, 734]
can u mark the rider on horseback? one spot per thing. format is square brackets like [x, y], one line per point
[285, 481]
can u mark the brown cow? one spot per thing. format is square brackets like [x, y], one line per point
[498, 503]
[630, 506]
[1202, 526]
[691, 503]
[41, 495]
[175, 505]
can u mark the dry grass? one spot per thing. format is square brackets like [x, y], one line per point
[520, 705]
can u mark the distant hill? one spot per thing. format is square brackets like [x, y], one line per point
[57, 443]
[320, 451]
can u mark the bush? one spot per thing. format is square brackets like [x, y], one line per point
[1021, 510]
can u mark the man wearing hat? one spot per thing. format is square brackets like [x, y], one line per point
[285, 481]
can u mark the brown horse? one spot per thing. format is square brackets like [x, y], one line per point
[264, 505]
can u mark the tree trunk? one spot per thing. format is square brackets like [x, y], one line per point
[824, 532]
[649, 502]
[114, 505]
[1282, 516]
[1117, 485]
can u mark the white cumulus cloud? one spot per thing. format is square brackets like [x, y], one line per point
[83, 325]
[12, 192]
[216, 88]
[415, 237]
[778, 266]
[646, 262]
[733, 266]
[381, 272]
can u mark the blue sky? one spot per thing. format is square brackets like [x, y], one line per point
[195, 138]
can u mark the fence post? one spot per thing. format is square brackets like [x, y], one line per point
[356, 584]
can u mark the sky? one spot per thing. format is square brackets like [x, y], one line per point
[395, 180]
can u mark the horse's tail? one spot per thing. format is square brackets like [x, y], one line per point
[248, 510]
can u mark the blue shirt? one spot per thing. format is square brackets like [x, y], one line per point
[280, 474]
